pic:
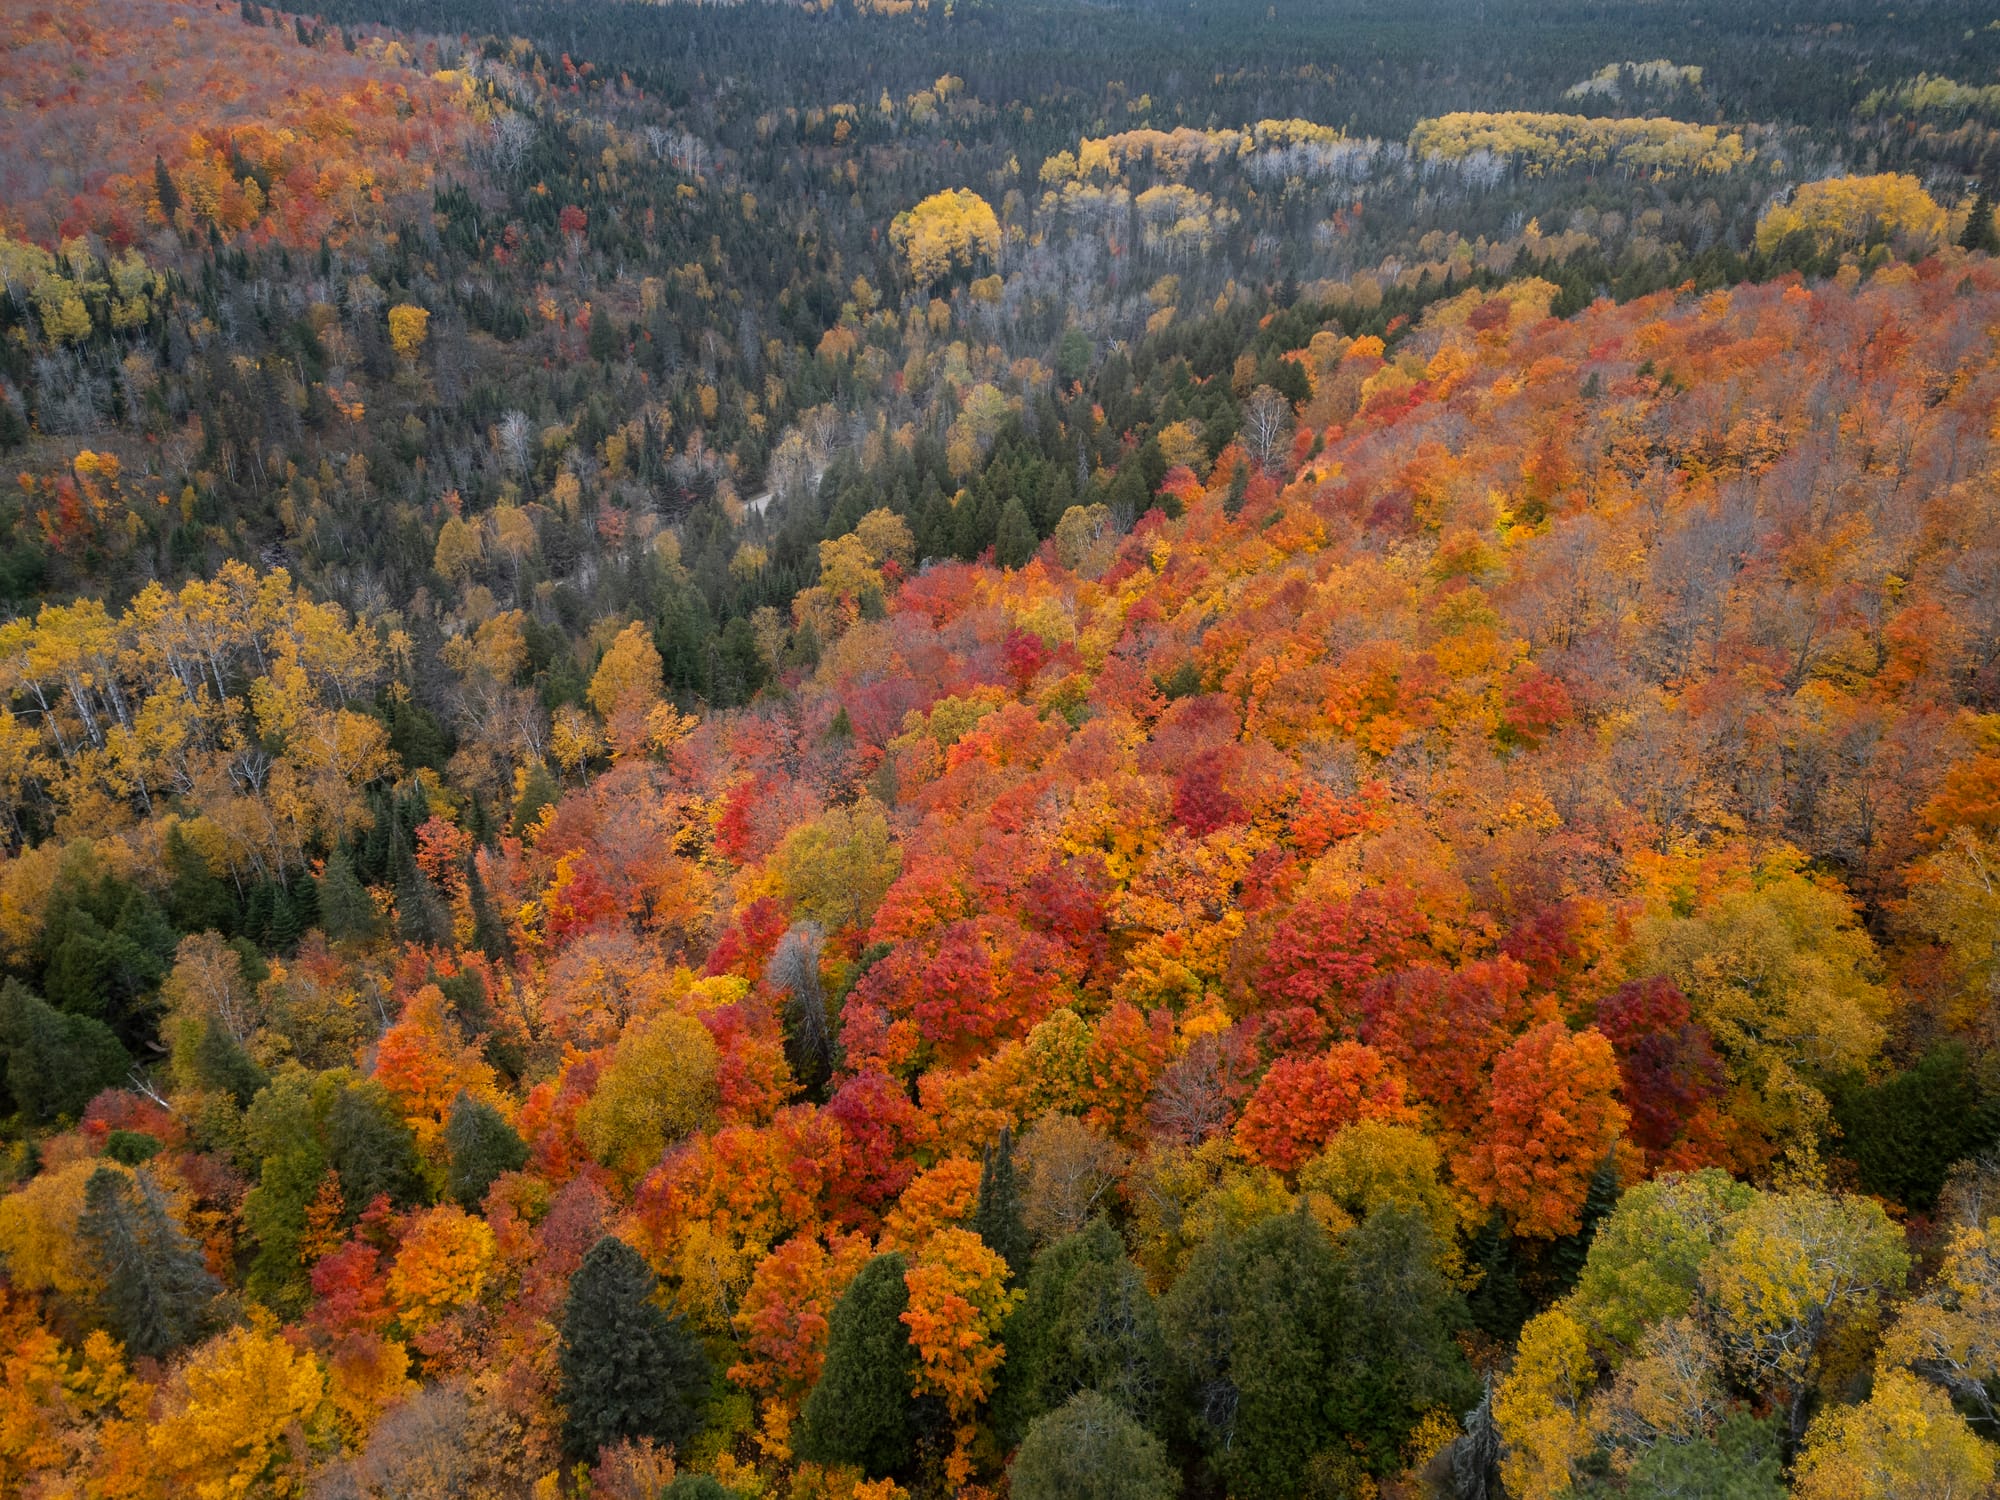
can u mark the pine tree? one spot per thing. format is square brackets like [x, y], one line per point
[285, 930]
[1239, 491]
[479, 824]
[157, 1294]
[1086, 1323]
[370, 1146]
[1253, 1324]
[1980, 232]
[1092, 1449]
[164, 190]
[346, 913]
[482, 1146]
[860, 1412]
[998, 1219]
[1014, 540]
[629, 1368]
[538, 790]
[489, 933]
[56, 1063]
[1398, 1350]
[421, 916]
[216, 1061]
[13, 426]
[197, 898]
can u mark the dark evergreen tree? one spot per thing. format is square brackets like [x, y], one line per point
[479, 824]
[482, 1146]
[1092, 1449]
[538, 790]
[1253, 1333]
[1086, 1323]
[1398, 1354]
[489, 933]
[346, 913]
[285, 929]
[861, 1411]
[198, 900]
[998, 1219]
[629, 1369]
[1497, 1303]
[1905, 1132]
[370, 1146]
[131, 1147]
[55, 1063]
[697, 1487]
[1014, 539]
[13, 434]
[421, 915]
[214, 1060]
[164, 190]
[1562, 1260]
[157, 1293]
[1239, 491]
[1980, 233]
[108, 947]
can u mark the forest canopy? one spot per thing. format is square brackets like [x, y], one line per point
[892, 751]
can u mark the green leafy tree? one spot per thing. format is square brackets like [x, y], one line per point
[298, 1129]
[629, 1369]
[1794, 1274]
[1091, 1448]
[697, 1487]
[1646, 1258]
[157, 1293]
[860, 1412]
[1739, 1461]
[482, 1145]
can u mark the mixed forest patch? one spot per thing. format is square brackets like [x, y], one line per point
[941, 771]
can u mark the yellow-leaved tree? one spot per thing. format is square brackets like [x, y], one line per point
[953, 229]
[661, 1084]
[441, 1266]
[1844, 213]
[408, 327]
[1905, 1442]
[958, 1301]
[233, 1412]
[1539, 1407]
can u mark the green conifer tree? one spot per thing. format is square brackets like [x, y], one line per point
[998, 1218]
[55, 1063]
[1092, 1449]
[157, 1294]
[346, 913]
[861, 1411]
[482, 1146]
[1014, 539]
[629, 1369]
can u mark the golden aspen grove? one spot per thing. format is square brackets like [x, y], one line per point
[999, 751]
